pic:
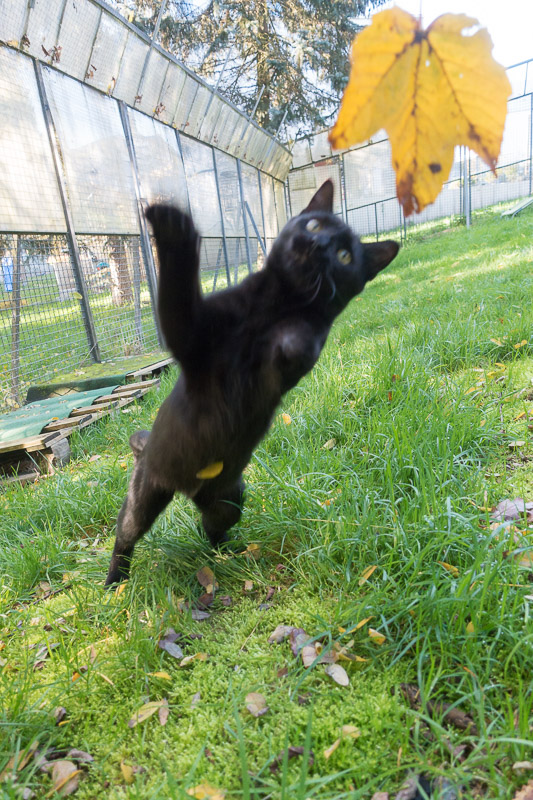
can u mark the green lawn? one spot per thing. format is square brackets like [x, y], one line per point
[418, 395]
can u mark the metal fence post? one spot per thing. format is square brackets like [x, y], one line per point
[146, 248]
[245, 220]
[530, 142]
[71, 234]
[224, 242]
[180, 151]
[343, 187]
[261, 202]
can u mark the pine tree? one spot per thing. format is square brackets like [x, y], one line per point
[291, 57]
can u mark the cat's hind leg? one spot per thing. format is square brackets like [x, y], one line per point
[144, 502]
[220, 511]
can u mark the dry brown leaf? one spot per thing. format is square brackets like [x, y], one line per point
[525, 793]
[206, 577]
[163, 713]
[248, 586]
[66, 778]
[520, 766]
[256, 704]
[330, 444]
[196, 657]
[350, 732]
[430, 90]
[20, 760]
[338, 674]
[516, 444]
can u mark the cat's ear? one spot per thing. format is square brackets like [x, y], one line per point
[322, 200]
[378, 255]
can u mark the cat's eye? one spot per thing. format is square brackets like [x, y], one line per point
[344, 256]
[313, 226]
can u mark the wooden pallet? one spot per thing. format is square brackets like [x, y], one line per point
[26, 459]
[151, 371]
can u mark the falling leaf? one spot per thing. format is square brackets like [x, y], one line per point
[286, 419]
[256, 704]
[211, 471]
[127, 772]
[145, 711]
[338, 674]
[281, 633]
[206, 577]
[431, 90]
[366, 574]
[376, 637]
[525, 793]
[66, 778]
[204, 791]
[450, 568]
[331, 750]
[330, 444]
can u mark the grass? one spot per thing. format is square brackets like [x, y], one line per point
[421, 386]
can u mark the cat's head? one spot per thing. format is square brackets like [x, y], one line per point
[322, 259]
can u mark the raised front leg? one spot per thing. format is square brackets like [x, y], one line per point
[142, 506]
[179, 296]
[220, 511]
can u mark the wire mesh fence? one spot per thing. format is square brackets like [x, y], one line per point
[365, 183]
[106, 126]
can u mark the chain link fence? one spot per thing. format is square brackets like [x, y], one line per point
[365, 182]
[97, 122]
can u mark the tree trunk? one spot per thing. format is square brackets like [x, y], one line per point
[121, 289]
[263, 70]
[15, 327]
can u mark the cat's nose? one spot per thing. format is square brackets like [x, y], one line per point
[322, 240]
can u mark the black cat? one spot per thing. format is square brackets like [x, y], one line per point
[240, 350]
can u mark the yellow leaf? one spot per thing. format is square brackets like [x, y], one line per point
[450, 567]
[376, 637]
[497, 341]
[520, 344]
[77, 295]
[286, 419]
[431, 90]
[350, 731]
[196, 657]
[366, 574]
[163, 675]
[330, 444]
[206, 577]
[519, 416]
[211, 471]
[127, 772]
[20, 760]
[361, 623]
[204, 791]
[470, 628]
[331, 750]
[145, 712]
[120, 588]
[472, 389]
[252, 551]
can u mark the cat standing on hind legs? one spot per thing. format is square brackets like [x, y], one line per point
[240, 350]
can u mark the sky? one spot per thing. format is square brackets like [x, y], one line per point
[509, 22]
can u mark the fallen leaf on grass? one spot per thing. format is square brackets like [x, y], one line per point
[290, 752]
[380, 796]
[163, 713]
[520, 766]
[252, 551]
[256, 704]
[163, 675]
[516, 444]
[66, 778]
[366, 574]
[330, 750]
[330, 444]
[248, 586]
[437, 708]
[171, 648]
[338, 674]
[127, 772]
[59, 713]
[298, 638]
[347, 732]
[525, 793]
[281, 633]
[286, 419]
[204, 791]
[206, 577]
[450, 568]
[20, 760]
[198, 615]
[146, 711]
[80, 756]
[226, 600]
[376, 636]
[196, 657]
[512, 509]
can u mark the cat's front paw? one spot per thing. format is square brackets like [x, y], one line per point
[172, 227]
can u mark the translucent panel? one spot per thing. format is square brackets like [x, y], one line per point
[170, 93]
[197, 110]
[228, 135]
[153, 82]
[12, 17]
[200, 173]
[161, 173]
[211, 117]
[99, 177]
[281, 208]
[269, 206]
[230, 198]
[368, 175]
[76, 36]
[516, 135]
[43, 26]
[254, 147]
[131, 68]
[188, 93]
[223, 121]
[250, 186]
[107, 53]
[320, 147]
[301, 153]
[29, 197]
